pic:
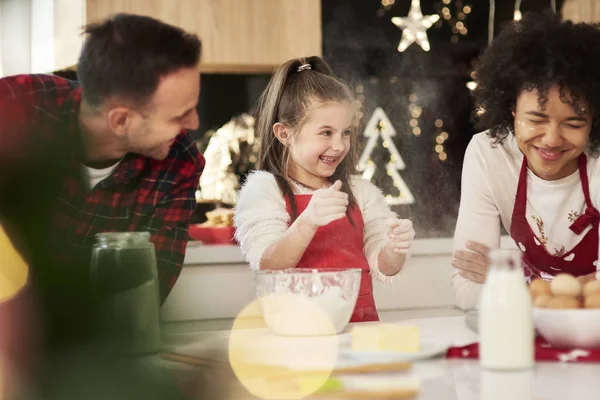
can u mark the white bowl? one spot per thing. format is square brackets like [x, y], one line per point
[307, 302]
[569, 328]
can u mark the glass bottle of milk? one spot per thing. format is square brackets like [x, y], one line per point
[506, 332]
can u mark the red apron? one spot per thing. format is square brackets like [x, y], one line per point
[537, 262]
[339, 244]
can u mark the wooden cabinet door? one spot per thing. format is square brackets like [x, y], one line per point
[237, 35]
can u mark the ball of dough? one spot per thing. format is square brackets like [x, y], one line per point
[591, 288]
[565, 285]
[564, 302]
[539, 287]
[542, 301]
[592, 301]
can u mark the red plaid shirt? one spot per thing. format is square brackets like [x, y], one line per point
[43, 194]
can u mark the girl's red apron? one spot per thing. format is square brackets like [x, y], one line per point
[340, 244]
[537, 262]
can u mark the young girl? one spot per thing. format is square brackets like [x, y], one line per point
[302, 207]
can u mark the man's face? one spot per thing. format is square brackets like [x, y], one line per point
[170, 111]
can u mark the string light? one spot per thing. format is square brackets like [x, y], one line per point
[414, 27]
[386, 5]
[458, 22]
[491, 20]
[517, 13]
[379, 126]
[471, 85]
[440, 139]
[415, 112]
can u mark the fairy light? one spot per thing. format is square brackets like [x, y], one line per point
[386, 5]
[471, 85]
[491, 20]
[414, 27]
[440, 139]
[457, 23]
[517, 13]
[379, 126]
[415, 112]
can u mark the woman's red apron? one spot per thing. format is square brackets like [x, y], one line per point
[537, 262]
[339, 244]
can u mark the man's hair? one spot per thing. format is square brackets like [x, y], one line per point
[536, 53]
[126, 55]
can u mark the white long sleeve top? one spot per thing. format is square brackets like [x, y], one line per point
[489, 186]
[261, 217]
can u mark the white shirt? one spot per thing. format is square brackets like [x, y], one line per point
[261, 217]
[93, 176]
[489, 185]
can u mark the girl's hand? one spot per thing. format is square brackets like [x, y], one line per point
[400, 235]
[326, 205]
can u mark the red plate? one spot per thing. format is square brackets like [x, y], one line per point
[212, 235]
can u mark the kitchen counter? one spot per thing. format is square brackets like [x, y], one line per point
[444, 379]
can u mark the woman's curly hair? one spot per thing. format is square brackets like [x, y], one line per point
[536, 53]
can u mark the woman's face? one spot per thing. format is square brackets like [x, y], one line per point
[554, 136]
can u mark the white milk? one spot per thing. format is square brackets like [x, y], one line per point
[506, 334]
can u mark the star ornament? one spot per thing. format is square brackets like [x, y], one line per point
[414, 27]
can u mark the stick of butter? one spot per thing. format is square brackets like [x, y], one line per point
[385, 337]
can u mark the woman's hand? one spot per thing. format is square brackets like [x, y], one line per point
[474, 264]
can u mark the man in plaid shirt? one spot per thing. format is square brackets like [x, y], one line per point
[108, 153]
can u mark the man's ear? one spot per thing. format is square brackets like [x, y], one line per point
[119, 119]
[282, 133]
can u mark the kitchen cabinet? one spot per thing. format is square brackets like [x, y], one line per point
[581, 10]
[243, 36]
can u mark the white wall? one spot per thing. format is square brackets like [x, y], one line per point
[40, 36]
[15, 36]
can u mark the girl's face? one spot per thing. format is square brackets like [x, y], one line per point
[553, 137]
[321, 144]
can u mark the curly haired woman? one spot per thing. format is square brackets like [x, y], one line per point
[535, 168]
